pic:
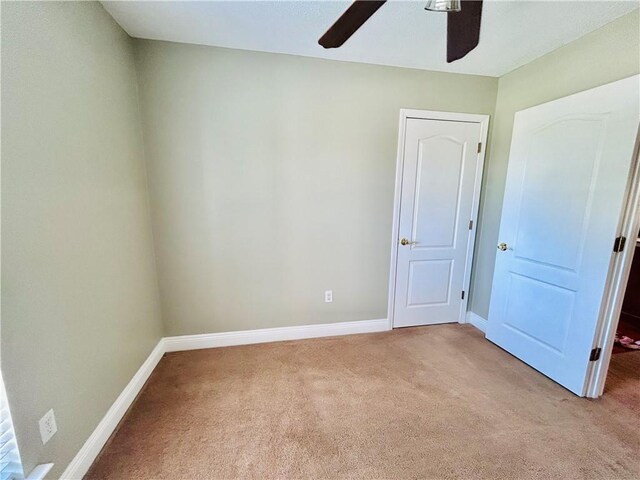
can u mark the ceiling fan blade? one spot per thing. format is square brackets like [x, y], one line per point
[463, 29]
[350, 21]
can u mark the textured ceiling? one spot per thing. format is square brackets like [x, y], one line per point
[401, 33]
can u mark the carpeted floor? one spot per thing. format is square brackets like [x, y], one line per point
[430, 402]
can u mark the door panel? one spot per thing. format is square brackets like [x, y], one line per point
[567, 149]
[435, 214]
[568, 170]
[438, 180]
[429, 282]
[523, 301]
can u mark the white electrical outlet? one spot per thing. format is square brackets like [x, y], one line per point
[48, 427]
[328, 296]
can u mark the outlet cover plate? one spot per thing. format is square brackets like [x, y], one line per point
[48, 426]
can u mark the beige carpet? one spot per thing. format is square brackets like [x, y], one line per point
[430, 402]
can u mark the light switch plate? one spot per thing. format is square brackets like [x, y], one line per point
[48, 426]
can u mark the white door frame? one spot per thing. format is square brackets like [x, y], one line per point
[405, 114]
[617, 281]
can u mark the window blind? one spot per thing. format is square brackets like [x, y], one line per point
[10, 466]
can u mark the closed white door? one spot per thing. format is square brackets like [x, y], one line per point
[568, 171]
[440, 167]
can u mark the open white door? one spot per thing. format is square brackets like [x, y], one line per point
[568, 174]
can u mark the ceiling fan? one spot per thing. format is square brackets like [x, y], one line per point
[463, 24]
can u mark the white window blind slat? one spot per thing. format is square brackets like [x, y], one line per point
[10, 466]
[5, 437]
[11, 471]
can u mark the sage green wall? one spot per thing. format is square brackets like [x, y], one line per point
[272, 180]
[605, 55]
[80, 309]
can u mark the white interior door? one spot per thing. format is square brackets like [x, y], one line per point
[568, 172]
[440, 167]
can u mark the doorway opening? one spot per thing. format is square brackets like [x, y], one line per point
[623, 374]
[627, 338]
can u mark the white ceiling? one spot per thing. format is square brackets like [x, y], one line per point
[401, 33]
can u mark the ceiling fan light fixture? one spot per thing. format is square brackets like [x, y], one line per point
[443, 5]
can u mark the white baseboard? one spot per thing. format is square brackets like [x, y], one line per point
[39, 472]
[264, 335]
[92, 447]
[477, 321]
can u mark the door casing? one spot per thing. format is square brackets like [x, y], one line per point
[617, 280]
[405, 114]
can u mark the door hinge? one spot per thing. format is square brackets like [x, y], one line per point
[479, 147]
[462, 294]
[470, 224]
[618, 245]
[595, 354]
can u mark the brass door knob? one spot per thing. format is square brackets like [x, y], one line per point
[503, 246]
[404, 241]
